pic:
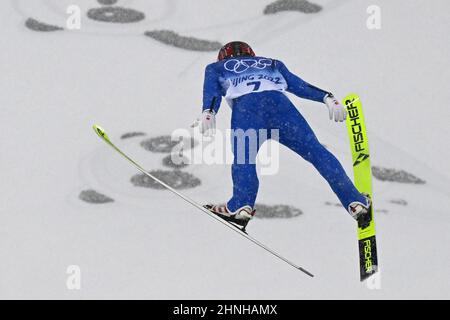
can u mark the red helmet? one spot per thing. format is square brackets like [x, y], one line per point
[235, 49]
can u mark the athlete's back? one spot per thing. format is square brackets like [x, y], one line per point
[243, 75]
[238, 76]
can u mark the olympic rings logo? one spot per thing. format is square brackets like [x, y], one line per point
[239, 66]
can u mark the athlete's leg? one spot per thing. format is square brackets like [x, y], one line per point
[246, 121]
[296, 134]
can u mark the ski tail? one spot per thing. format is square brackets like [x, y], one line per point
[102, 134]
[363, 181]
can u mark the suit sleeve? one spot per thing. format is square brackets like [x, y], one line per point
[212, 90]
[300, 87]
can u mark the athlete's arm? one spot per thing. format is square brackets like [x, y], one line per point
[212, 90]
[305, 90]
[300, 87]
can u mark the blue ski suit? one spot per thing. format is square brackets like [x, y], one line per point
[254, 88]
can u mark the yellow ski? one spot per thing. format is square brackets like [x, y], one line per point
[102, 134]
[363, 181]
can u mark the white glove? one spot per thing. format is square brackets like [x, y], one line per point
[335, 108]
[207, 123]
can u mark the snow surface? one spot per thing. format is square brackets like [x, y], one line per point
[150, 244]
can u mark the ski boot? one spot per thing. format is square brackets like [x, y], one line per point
[238, 218]
[362, 213]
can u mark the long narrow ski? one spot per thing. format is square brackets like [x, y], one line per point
[102, 134]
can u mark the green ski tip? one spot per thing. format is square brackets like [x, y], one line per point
[100, 132]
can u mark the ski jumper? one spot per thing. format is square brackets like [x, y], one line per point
[254, 88]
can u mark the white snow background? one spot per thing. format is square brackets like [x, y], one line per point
[148, 244]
